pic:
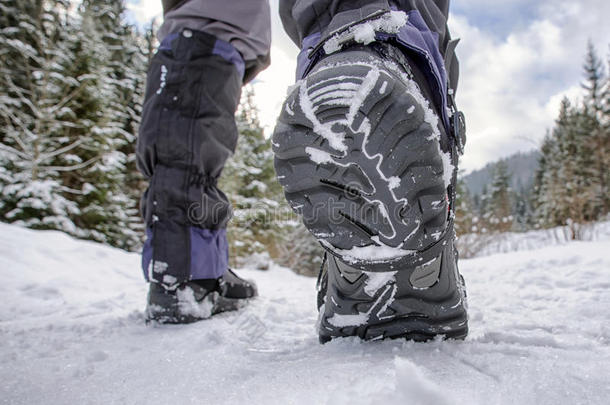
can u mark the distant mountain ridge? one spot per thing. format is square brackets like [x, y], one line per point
[521, 165]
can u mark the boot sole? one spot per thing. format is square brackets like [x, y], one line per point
[360, 161]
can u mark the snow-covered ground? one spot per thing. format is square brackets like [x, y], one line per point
[72, 331]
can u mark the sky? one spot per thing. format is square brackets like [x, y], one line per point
[518, 59]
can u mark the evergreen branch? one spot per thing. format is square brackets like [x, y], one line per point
[59, 151]
[66, 124]
[23, 97]
[71, 190]
[70, 96]
[9, 149]
[12, 118]
[73, 167]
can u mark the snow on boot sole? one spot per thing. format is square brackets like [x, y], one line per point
[359, 158]
[357, 151]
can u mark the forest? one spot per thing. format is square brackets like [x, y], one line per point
[72, 81]
[570, 185]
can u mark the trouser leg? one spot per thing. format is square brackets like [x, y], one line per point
[245, 25]
[187, 133]
[302, 18]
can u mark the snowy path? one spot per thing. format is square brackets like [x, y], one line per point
[72, 331]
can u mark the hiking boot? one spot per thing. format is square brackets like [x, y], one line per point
[198, 299]
[233, 286]
[364, 158]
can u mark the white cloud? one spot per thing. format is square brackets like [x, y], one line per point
[271, 84]
[143, 11]
[510, 87]
[574, 94]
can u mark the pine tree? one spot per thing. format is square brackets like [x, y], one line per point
[572, 181]
[465, 217]
[522, 209]
[594, 136]
[569, 189]
[109, 210]
[498, 208]
[604, 144]
[482, 203]
[70, 87]
[39, 112]
[249, 180]
[559, 183]
[541, 181]
[298, 249]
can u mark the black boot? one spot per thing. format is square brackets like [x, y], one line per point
[364, 156]
[233, 286]
[198, 299]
